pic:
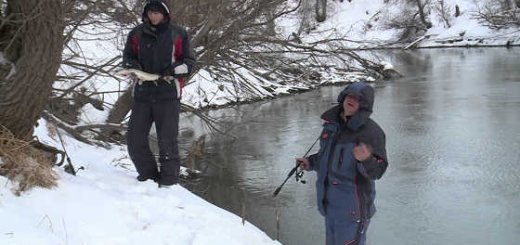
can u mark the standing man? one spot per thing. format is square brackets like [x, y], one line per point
[352, 156]
[158, 47]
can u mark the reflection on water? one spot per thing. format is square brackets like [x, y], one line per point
[453, 135]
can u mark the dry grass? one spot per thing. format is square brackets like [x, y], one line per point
[24, 165]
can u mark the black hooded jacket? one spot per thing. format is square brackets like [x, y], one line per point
[158, 50]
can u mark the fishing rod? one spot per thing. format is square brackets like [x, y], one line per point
[293, 170]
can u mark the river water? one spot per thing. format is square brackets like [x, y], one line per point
[453, 140]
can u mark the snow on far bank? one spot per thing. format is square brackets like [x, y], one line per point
[203, 92]
[466, 30]
[363, 21]
[104, 204]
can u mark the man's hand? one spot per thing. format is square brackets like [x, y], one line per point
[180, 70]
[362, 152]
[304, 163]
[134, 78]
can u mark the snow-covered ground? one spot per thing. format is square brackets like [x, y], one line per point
[363, 22]
[105, 204]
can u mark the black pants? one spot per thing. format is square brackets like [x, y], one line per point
[165, 114]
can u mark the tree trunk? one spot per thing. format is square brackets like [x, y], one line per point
[121, 108]
[35, 48]
[321, 10]
[511, 4]
[422, 14]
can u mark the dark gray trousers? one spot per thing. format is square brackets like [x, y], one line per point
[165, 114]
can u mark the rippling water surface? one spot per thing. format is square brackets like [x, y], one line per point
[453, 140]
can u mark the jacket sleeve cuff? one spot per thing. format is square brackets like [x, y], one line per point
[312, 162]
[370, 168]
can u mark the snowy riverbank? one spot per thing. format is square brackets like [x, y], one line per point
[105, 204]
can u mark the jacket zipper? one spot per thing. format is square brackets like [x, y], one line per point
[340, 163]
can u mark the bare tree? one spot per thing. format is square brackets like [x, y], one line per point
[444, 12]
[421, 5]
[413, 21]
[305, 11]
[498, 14]
[511, 4]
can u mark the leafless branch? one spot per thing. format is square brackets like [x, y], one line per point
[497, 16]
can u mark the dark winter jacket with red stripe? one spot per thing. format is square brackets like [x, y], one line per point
[345, 187]
[157, 50]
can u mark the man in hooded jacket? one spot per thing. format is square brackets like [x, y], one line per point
[352, 156]
[158, 47]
